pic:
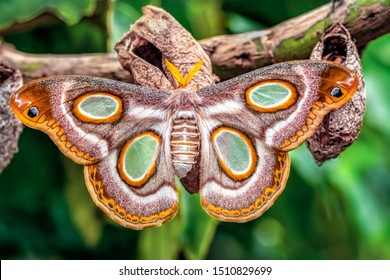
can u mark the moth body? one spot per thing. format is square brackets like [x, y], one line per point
[185, 143]
[184, 134]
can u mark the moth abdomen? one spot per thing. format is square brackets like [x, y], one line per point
[185, 139]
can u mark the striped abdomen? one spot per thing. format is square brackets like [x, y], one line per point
[184, 145]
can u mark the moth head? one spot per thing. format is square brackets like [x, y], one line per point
[30, 103]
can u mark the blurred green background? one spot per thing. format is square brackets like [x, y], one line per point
[338, 211]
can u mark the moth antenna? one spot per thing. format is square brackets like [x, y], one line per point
[183, 81]
[193, 71]
[175, 73]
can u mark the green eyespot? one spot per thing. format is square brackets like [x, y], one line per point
[270, 96]
[98, 107]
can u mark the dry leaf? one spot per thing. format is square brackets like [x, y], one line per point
[10, 126]
[340, 128]
[155, 37]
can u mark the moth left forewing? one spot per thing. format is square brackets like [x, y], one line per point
[282, 104]
[87, 117]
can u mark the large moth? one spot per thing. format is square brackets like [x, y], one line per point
[227, 141]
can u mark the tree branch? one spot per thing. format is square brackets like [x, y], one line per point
[231, 55]
[36, 66]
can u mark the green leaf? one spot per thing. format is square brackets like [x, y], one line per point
[237, 23]
[191, 231]
[160, 243]
[120, 18]
[82, 209]
[376, 65]
[198, 227]
[70, 11]
[202, 18]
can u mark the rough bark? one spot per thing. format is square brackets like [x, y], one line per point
[230, 55]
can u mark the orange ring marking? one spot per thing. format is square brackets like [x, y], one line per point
[121, 165]
[291, 100]
[81, 116]
[253, 155]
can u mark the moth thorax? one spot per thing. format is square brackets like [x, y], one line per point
[184, 145]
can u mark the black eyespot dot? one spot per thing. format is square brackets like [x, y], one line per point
[336, 92]
[33, 112]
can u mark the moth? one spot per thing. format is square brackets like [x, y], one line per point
[228, 141]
